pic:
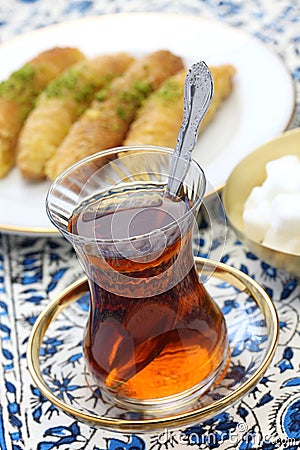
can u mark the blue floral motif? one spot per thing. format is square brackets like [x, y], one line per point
[65, 435]
[64, 387]
[38, 401]
[286, 362]
[2, 438]
[133, 443]
[291, 421]
[33, 270]
[212, 432]
[288, 289]
[292, 382]
[79, 6]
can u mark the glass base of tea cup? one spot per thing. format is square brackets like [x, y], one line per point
[175, 402]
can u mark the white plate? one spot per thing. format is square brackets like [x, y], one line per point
[259, 109]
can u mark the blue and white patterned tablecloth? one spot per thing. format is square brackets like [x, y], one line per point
[35, 269]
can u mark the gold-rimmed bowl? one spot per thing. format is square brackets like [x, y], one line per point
[251, 172]
[253, 331]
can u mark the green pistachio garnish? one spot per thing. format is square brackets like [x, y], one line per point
[77, 85]
[170, 91]
[132, 97]
[20, 88]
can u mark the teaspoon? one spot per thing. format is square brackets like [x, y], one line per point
[198, 92]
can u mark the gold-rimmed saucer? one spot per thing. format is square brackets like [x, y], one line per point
[253, 329]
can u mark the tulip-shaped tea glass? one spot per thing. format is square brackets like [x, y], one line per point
[154, 339]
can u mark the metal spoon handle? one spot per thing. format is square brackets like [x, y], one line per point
[198, 92]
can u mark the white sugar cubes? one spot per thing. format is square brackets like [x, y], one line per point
[272, 211]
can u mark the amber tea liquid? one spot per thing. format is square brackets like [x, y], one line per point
[153, 330]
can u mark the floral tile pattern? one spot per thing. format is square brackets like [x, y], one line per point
[33, 270]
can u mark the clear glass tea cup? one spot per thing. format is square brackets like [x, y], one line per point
[155, 338]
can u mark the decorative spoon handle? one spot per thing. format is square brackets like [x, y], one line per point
[198, 92]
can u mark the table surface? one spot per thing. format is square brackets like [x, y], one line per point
[36, 269]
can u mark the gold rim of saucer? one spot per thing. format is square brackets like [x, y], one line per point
[222, 271]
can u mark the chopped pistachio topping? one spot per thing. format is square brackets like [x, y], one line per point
[132, 97]
[20, 88]
[171, 90]
[15, 83]
[121, 112]
[137, 93]
[69, 84]
[102, 94]
[77, 85]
